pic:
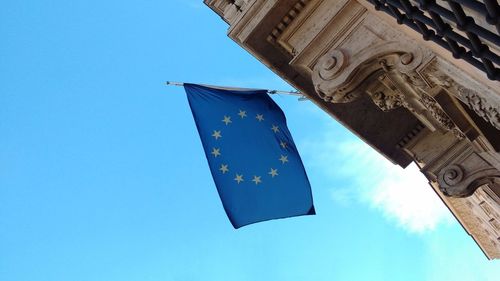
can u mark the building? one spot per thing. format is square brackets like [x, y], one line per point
[416, 80]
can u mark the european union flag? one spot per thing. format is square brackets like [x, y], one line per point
[254, 162]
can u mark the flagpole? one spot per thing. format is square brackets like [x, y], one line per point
[292, 93]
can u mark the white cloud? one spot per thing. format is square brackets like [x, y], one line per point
[402, 195]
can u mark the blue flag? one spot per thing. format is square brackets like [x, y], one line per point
[254, 162]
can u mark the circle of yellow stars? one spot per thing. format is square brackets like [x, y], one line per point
[225, 169]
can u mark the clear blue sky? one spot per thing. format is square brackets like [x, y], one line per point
[103, 177]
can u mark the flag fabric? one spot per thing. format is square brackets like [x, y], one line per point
[254, 162]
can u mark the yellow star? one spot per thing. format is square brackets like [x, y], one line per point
[239, 178]
[275, 128]
[283, 144]
[273, 173]
[260, 117]
[242, 113]
[227, 119]
[284, 159]
[224, 169]
[216, 152]
[216, 135]
[256, 180]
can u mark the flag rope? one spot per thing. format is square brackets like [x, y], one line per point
[272, 92]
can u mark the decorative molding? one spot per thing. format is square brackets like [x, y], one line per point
[234, 8]
[434, 76]
[481, 107]
[332, 64]
[388, 73]
[465, 173]
[285, 22]
[479, 100]
[439, 115]
[229, 10]
[338, 75]
[385, 101]
[451, 175]
[313, 27]
[410, 136]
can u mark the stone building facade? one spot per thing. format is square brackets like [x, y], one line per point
[410, 98]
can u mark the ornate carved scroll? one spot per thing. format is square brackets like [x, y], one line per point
[387, 72]
[462, 179]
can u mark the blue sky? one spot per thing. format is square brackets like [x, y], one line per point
[103, 177]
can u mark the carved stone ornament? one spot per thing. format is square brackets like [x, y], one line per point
[386, 102]
[328, 68]
[388, 74]
[437, 112]
[233, 8]
[485, 110]
[489, 110]
[340, 77]
[455, 181]
[451, 175]
[331, 64]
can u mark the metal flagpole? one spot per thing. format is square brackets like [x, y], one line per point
[272, 92]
